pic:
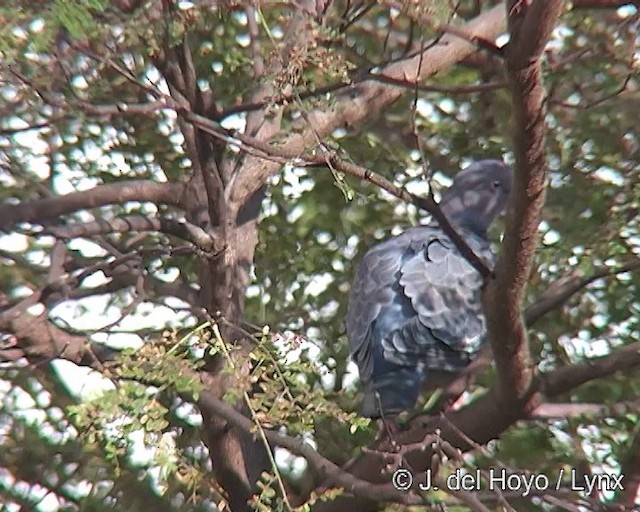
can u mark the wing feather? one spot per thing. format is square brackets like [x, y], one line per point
[416, 301]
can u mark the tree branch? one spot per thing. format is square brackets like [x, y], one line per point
[321, 467]
[530, 28]
[40, 340]
[564, 288]
[602, 4]
[327, 157]
[569, 377]
[40, 210]
[551, 410]
[366, 100]
[428, 204]
[363, 76]
[180, 229]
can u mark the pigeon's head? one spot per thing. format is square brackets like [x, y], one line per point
[478, 195]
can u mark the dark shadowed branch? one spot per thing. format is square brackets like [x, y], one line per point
[321, 467]
[569, 377]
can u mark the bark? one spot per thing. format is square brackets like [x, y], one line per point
[530, 27]
[41, 210]
[222, 199]
[367, 100]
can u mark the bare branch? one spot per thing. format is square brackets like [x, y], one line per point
[41, 210]
[552, 410]
[363, 101]
[530, 25]
[359, 77]
[120, 109]
[451, 91]
[180, 229]
[567, 378]
[483, 43]
[38, 340]
[428, 204]
[530, 28]
[563, 289]
[586, 105]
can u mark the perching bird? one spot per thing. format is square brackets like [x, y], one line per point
[415, 317]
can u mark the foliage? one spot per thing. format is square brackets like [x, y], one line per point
[76, 79]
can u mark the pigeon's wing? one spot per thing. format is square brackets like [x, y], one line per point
[445, 290]
[446, 325]
[415, 304]
[414, 307]
[374, 290]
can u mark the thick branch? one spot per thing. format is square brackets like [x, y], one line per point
[40, 340]
[41, 210]
[530, 25]
[367, 100]
[567, 378]
[322, 467]
[530, 28]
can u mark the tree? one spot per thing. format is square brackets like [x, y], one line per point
[202, 177]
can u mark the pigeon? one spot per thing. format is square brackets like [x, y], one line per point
[414, 317]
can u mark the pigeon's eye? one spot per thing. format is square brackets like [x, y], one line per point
[495, 185]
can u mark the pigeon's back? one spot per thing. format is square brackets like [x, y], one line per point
[415, 311]
[414, 308]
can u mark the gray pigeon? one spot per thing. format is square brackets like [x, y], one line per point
[415, 317]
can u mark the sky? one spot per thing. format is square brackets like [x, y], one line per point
[84, 383]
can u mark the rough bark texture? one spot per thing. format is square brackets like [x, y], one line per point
[530, 28]
[221, 201]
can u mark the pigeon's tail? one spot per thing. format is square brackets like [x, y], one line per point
[392, 393]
